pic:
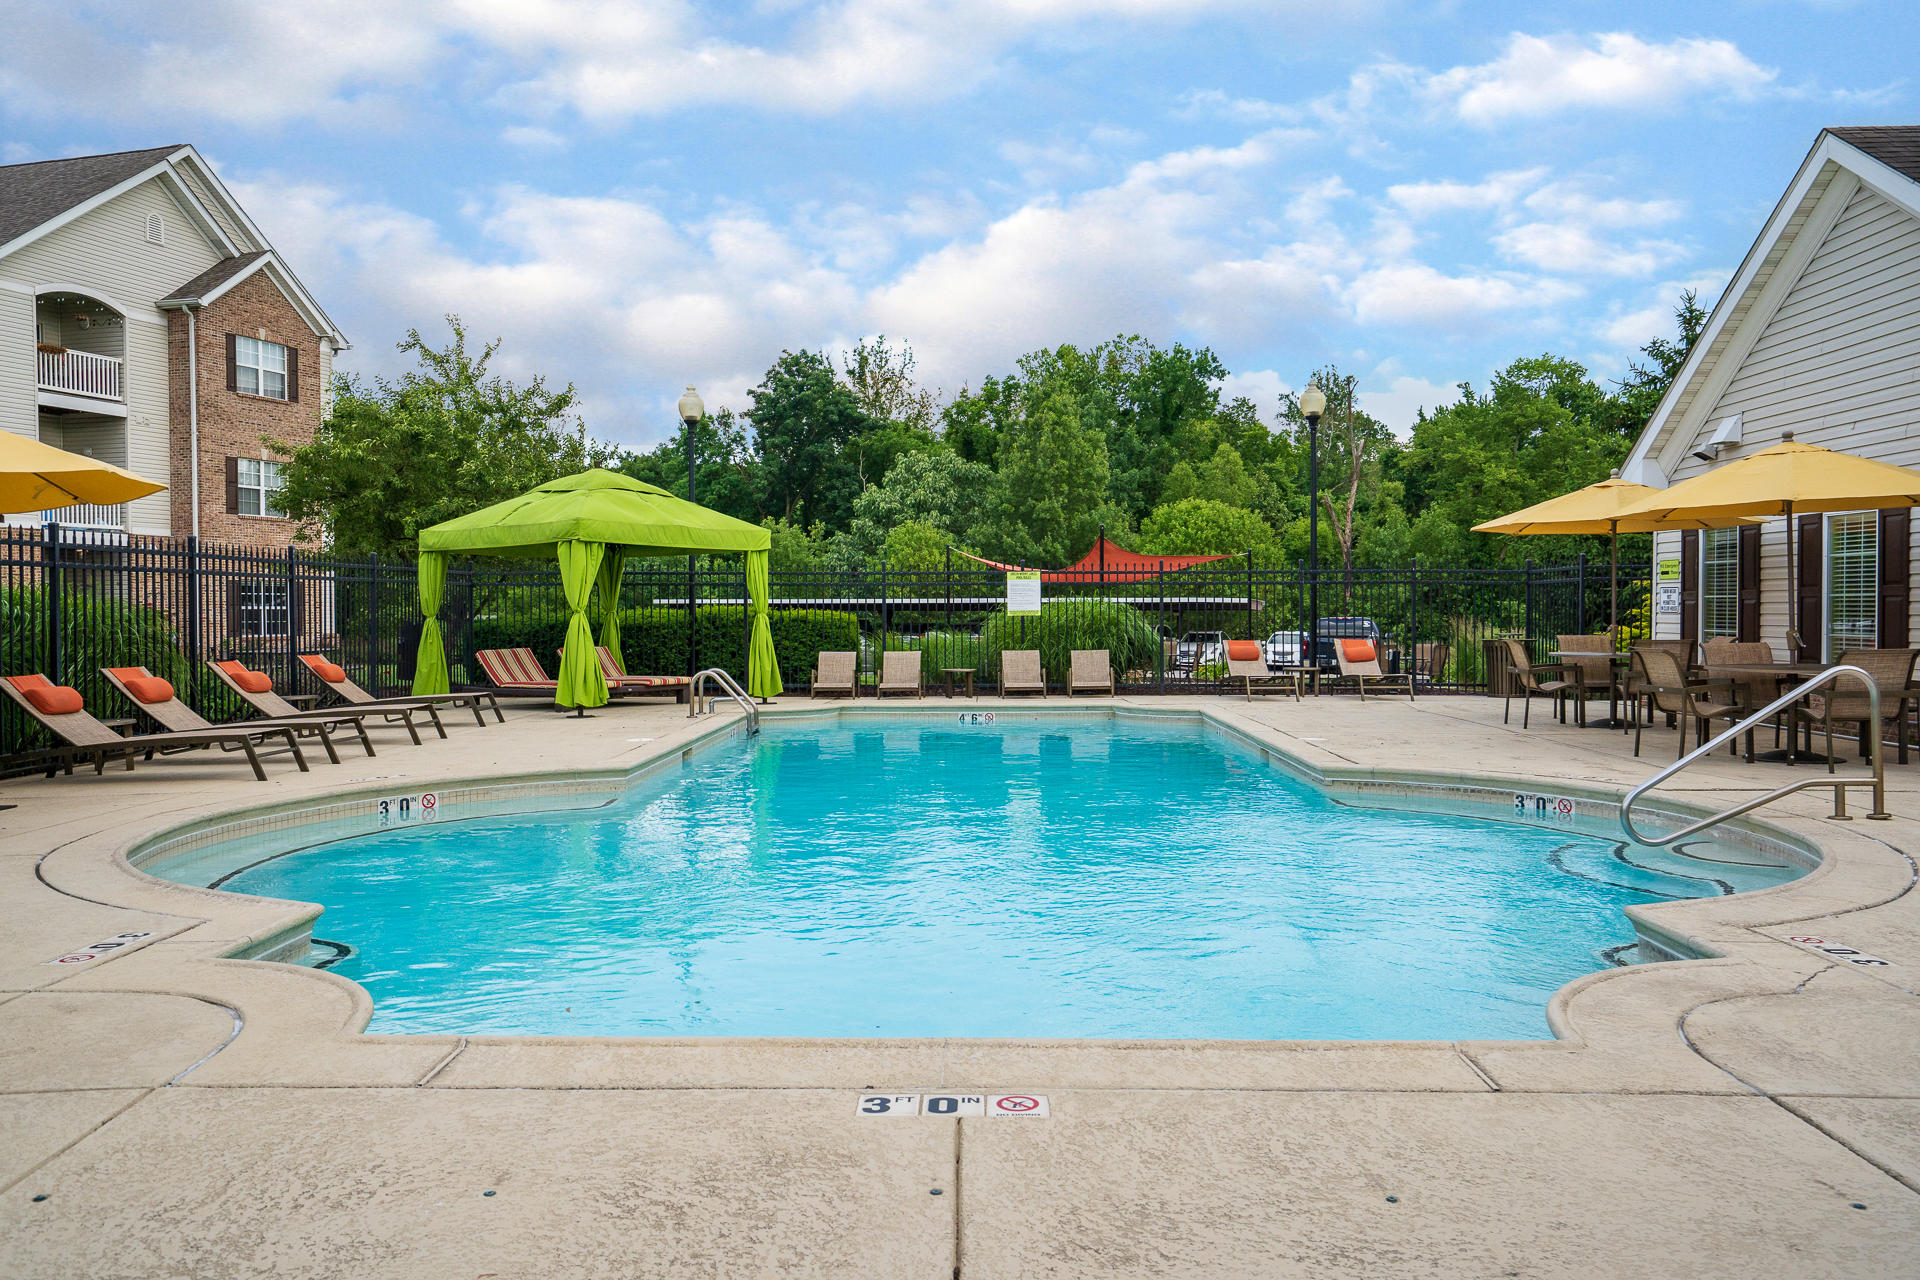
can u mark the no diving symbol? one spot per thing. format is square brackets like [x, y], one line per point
[989, 717]
[1016, 1104]
[430, 801]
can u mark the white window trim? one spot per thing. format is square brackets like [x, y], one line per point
[271, 600]
[260, 372]
[1704, 631]
[1826, 581]
[263, 489]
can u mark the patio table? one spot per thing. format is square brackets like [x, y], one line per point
[1791, 753]
[954, 673]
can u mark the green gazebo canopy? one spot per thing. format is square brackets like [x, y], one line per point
[591, 523]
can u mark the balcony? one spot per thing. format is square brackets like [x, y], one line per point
[79, 380]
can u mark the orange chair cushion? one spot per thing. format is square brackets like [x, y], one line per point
[1357, 650]
[48, 698]
[148, 688]
[331, 672]
[251, 681]
[1243, 650]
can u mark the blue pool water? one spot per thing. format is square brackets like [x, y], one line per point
[1084, 878]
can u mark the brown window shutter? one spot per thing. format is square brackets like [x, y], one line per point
[1690, 585]
[1749, 583]
[233, 608]
[1806, 609]
[293, 375]
[233, 362]
[1895, 570]
[233, 486]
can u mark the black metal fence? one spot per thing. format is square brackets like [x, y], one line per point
[75, 601]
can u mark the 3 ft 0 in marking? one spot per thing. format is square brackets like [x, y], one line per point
[1542, 808]
[393, 809]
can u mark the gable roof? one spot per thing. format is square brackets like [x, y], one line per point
[1884, 159]
[31, 194]
[213, 282]
[1896, 146]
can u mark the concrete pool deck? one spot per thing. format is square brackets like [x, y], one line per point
[187, 1114]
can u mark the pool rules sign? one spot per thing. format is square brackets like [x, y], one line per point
[1023, 592]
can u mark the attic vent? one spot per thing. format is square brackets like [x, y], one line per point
[156, 230]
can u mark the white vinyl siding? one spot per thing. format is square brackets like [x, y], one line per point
[19, 399]
[203, 192]
[1720, 583]
[1838, 364]
[105, 252]
[144, 381]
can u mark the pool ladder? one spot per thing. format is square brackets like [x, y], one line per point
[728, 686]
[1876, 752]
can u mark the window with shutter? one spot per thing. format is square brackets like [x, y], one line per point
[1690, 585]
[1749, 583]
[1853, 582]
[1719, 583]
[1896, 572]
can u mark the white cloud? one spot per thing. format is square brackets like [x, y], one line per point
[1262, 386]
[532, 137]
[1415, 293]
[1497, 191]
[1560, 246]
[1398, 404]
[1541, 75]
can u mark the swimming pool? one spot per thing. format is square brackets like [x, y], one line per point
[1030, 877]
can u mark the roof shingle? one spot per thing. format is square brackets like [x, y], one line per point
[1896, 146]
[213, 277]
[31, 194]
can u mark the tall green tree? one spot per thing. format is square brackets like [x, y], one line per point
[804, 420]
[1055, 471]
[446, 438]
[728, 474]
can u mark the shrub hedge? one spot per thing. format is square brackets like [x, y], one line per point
[1066, 625]
[654, 641]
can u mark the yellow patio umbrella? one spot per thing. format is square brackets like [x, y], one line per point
[1779, 481]
[39, 477]
[1600, 508]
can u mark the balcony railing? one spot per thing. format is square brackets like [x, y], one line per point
[80, 373]
[86, 515]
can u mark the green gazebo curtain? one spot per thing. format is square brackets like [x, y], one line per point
[430, 666]
[581, 682]
[610, 570]
[763, 672]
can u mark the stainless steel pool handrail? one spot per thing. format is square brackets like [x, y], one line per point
[730, 687]
[1875, 751]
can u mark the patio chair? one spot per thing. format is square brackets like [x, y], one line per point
[1247, 664]
[1430, 660]
[334, 677]
[1091, 671]
[1592, 677]
[1669, 688]
[517, 672]
[900, 673]
[1359, 661]
[156, 699]
[61, 712]
[1685, 652]
[1020, 672]
[1891, 671]
[1532, 680]
[835, 673]
[255, 688]
[619, 682]
[1757, 690]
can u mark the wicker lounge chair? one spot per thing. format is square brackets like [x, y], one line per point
[334, 677]
[1670, 689]
[900, 673]
[835, 673]
[157, 700]
[517, 672]
[626, 686]
[1020, 672]
[255, 688]
[1524, 677]
[86, 739]
[1247, 664]
[1360, 662]
[1091, 672]
[1844, 700]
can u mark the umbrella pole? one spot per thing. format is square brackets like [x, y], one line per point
[1613, 587]
[1793, 592]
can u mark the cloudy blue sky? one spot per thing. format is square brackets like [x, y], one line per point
[640, 195]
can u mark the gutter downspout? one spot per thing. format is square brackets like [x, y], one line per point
[193, 416]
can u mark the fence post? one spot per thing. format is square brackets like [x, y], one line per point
[746, 621]
[1160, 635]
[1250, 634]
[293, 610]
[50, 552]
[693, 622]
[949, 588]
[1580, 595]
[373, 621]
[885, 616]
[193, 618]
[1527, 625]
[1413, 615]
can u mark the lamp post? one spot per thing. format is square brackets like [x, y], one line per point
[1313, 403]
[691, 411]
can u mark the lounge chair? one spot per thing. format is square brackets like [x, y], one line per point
[1359, 661]
[835, 674]
[516, 671]
[156, 699]
[334, 677]
[900, 673]
[1092, 671]
[1430, 661]
[62, 713]
[626, 686]
[1020, 672]
[255, 688]
[1247, 664]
